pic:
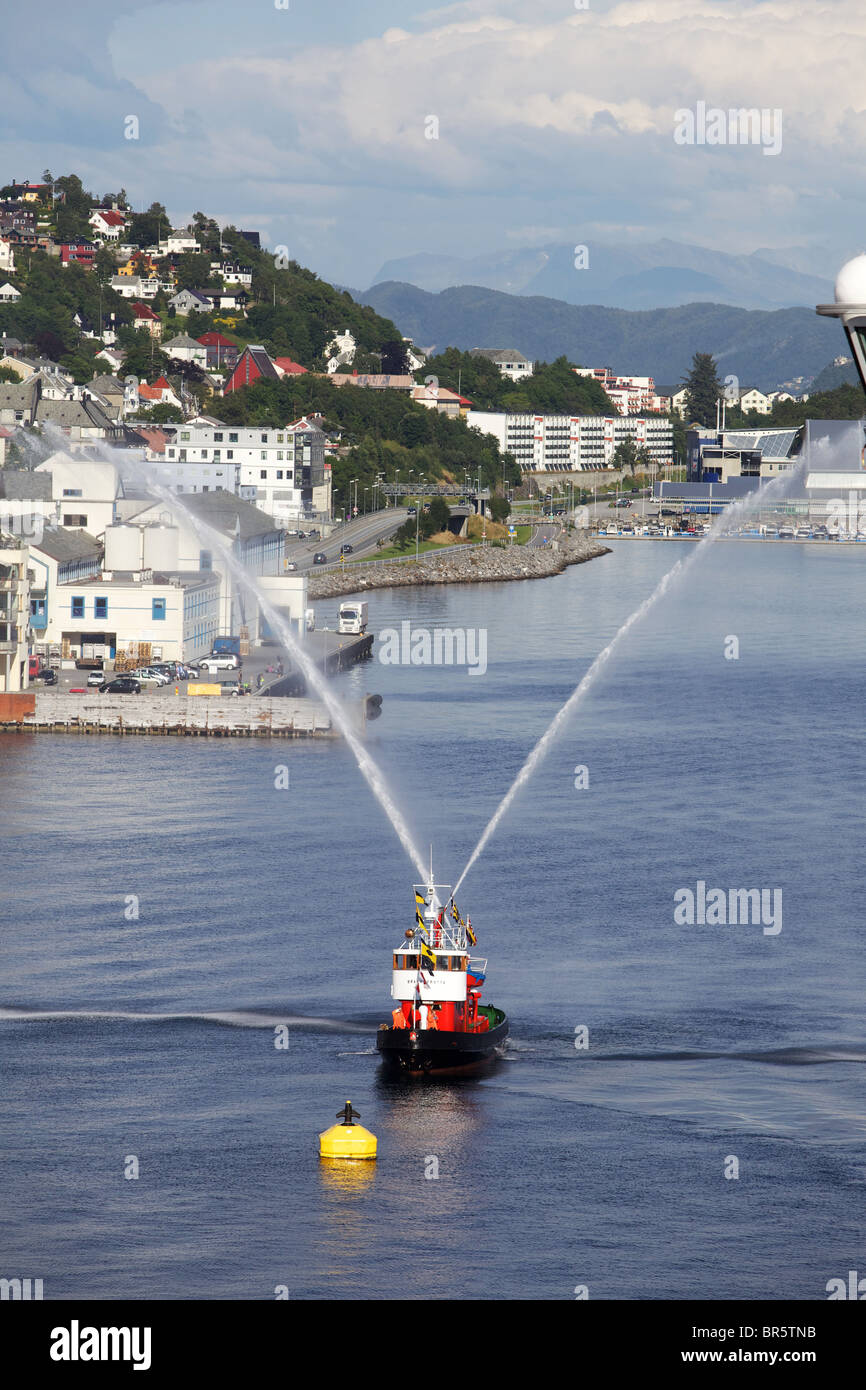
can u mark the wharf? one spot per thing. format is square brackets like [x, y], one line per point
[200, 716]
[331, 652]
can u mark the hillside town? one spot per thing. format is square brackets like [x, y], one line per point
[129, 374]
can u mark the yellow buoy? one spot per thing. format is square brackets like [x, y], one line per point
[347, 1140]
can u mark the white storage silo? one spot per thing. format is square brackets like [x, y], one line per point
[122, 548]
[161, 548]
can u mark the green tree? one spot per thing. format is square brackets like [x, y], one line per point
[625, 455]
[703, 389]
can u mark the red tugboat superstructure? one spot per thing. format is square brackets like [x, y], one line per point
[439, 1025]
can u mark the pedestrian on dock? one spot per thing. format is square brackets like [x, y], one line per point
[260, 680]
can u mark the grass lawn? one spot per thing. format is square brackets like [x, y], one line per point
[391, 552]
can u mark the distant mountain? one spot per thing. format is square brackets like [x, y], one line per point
[762, 348]
[832, 376]
[661, 274]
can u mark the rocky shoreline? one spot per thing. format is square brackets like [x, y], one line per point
[462, 565]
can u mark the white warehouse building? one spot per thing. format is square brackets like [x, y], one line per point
[573, 443]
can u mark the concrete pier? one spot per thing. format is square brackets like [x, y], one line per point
[201, 716]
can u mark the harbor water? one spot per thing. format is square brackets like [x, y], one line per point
[197, 941]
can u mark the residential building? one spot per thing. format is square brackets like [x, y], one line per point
[186, 349]
[573, 443]
[234, 274]
[753, 399]
[222, 353]
[340, 351]
[18, 403]
[14, 613]
[160, 393]
[280, 469]
[286, 367]
[191, 301]
[107, 223]
[144, 318]
[7, 257]
[440, 399]
[632, 395]
[375, 381]
[9, 294]
[135, 287]
[177, 242]
[82, 422]
[511, 363]
[81, 253]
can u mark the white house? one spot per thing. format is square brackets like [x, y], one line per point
[511, 363]
[755, 400]
[135, 287]
[107, 223]
[177, 242]
[9, 294]
[7, 257]
[189, 301]
[340, 351]
[186, 349]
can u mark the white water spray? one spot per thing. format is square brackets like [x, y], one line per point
[542, 747]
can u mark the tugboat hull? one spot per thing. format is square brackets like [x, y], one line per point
[419, 1052]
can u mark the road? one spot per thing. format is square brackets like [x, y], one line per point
[361, 534]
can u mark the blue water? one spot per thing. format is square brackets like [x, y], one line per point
[155, 1037]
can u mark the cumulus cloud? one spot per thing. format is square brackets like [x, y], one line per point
[544, 115]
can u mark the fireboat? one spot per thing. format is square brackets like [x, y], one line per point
[439, 1026]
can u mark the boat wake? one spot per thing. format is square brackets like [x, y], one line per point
[780, 1056]
[227, 1018]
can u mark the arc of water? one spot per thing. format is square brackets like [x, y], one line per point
[542, 747]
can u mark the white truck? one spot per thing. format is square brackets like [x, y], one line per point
[353, 618]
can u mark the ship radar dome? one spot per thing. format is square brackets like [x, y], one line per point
[851, 282]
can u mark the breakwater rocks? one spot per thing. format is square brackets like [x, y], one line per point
[461, 565]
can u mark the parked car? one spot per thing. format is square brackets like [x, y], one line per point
[623, 502]
[320, 558]
[121, 685]
[290, 565]
[222, 661]
[47, 676]
[411, 511]
[148, 676]
[346, 549]
[96, 678]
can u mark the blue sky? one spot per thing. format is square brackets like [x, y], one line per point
[554, 124]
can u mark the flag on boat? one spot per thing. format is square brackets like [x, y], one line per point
[420, 920]
[454, 911]
[470, 933]
[419, 900]
[427, 957]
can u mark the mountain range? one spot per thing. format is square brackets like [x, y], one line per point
[660, 274]
[761, 347]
